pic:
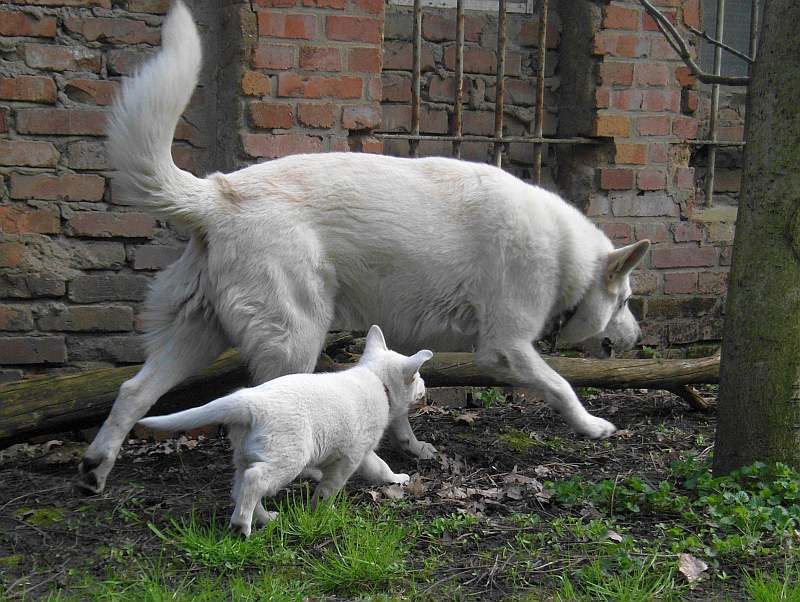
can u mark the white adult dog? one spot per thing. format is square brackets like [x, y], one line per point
[441, 253]
[326, 425]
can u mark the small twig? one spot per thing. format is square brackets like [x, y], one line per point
[682, 48]
[703, 34]
[690, 396]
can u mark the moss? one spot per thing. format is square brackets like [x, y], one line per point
[11, 561]
[40, 517]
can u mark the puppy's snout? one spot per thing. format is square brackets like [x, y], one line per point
[607, 345]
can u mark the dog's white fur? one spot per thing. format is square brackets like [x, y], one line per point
[441, 253]
[327, 425]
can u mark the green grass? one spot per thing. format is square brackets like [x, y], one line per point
[644, 583]
[772, 587]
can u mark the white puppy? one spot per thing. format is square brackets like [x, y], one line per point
[327, 425]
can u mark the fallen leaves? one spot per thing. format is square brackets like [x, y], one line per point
[690, 567]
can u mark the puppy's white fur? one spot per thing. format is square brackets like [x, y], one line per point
[327, 425]
[442, 253]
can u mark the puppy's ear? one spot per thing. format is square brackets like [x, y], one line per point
[412, 364]
[622, 261]
[375, 340]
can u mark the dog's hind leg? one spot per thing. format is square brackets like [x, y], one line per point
[258, 480]
[517, 362]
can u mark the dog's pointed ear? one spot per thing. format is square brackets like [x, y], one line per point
[622, 261]
[375, 340]
[413, 364]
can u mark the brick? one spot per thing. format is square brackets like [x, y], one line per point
[644, 205]
[12, 254]
[320, 58]
[720, 232]
[371, 145]
[684, 257]
[602, 98]
[618, 232]
[684, 178]
[317, 115]
[29, 220]
[598, 205]
[397, 118]
[4, 112]
[660, 50]
[32, 350]
[680, 283]
[480, 123]
[651, 179]
[442, 28]
[88, 318]
[479, 60]
[681, 333]
[281, 25]
[609, 124]
[644, 282]
[655, 233]
[91, 91]
[125, 61]
[616, 74]
[15, 317]
[106, 224]
[685, 128]
[653, 125]
[658, 153]
[713, 283]
[691, 13]
[61, 58]
[529, 33]
[671, 308]
[627, 100]
[333, 4]
[361, 117]
[399, 55]
[396, 87]
[16, 23]
[620, 17]
[685, 77]
[374, 88]
[28, 88]
[364, 60]
[616, 179]
[373, 7]
[630, 153]
[67, 187]
[651, 74]
[114, 30]
[275, 3]
[353, 29]
[64, 122]
[101, 3]
[155, 257]
[29, 153]
[317, 86]
[121, 349]
[274, 56]
[19, 286]
[156, 7]
[86, 154]
[108, 287]
[269, 115]
[650, 25]
[255, 83]
[687, 232]
[96, 255]
[624, 46]
[272, 146]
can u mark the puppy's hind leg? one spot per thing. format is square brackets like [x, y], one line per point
[260, 479]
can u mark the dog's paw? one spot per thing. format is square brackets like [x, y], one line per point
[240, 529]
[400, 479]
[425, 451]
[596, 428]
[90, 482]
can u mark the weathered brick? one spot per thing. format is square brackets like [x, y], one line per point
[155, 257]
[67, 187]
[320, 58]
[691, 13]
[274, 56]
[91, 91]
[106, 225]
[644, 282]
[101, 3]
[602, 98]
[630, 153]
[627, 99]
[29, 220]
[30, 153]
[353, 29]
[399, 55]
[671, 308]
[275, 3]
[397, 118]
[255, 83]
[684, 257]
[616, 179]
[618, 232]
[364, 60]
[610, 124]
[687, 232]
[28, 88]
[361, 117]
[272, 146]
[685, 76]
[156, 7]
[32, 350]
[318, 86]
[373, 7]
[374, 88]
[17, 23]
[96, 255]
[282, 25]
[529, 32]
[86, 154]
[653, 125]
[27, 286]
[88, 318]
[125, 61]
[91, 288]
[123, 349]
[651, 179]
[680, 333]
[371, 145]
[114, 30]
[620, 45]
[334, 4]
[654, 232]
[650, 25]
[620, 17]
[270, 115]
[680, 283]
[651, 74]
[15, 317]
[396, 87]
[12, 254]
[684, 127]
[317, 115]
[480, 60]
[616, 73]
[646, 205]
[720, 232]
[4, 113]
[713, 283]
[61, 58]
[63, 122]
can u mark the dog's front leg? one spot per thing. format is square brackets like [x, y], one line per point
[518, 363]
[375, 470]
[407, 440]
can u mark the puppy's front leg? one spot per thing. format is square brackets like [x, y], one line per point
[407, 440]
[375, 470]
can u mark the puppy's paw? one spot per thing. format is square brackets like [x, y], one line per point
[596, 428]
[240, 529]
[400, 479]
[425, 451]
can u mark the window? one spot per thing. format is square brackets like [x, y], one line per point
[512, 6]
[736, 34]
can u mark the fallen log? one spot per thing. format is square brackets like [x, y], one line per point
[52, 404]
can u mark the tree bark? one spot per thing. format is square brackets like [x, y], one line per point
[759, 401]
[53, 404]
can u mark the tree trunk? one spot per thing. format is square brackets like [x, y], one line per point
[759, 400]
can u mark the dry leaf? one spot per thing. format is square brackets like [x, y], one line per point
[691, 567]
[415, 487]
[613, 535]
[468, 417]
[542, 471]
[514, 492]
[375, 495]
[393, 492]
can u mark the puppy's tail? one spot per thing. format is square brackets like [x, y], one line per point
[231, 409]
[143, 120]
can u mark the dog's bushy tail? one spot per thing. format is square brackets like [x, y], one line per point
[143, 120]
[231, 409]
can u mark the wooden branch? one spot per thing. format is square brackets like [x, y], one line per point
[59, 403]
[703, 34]
[682, 48]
